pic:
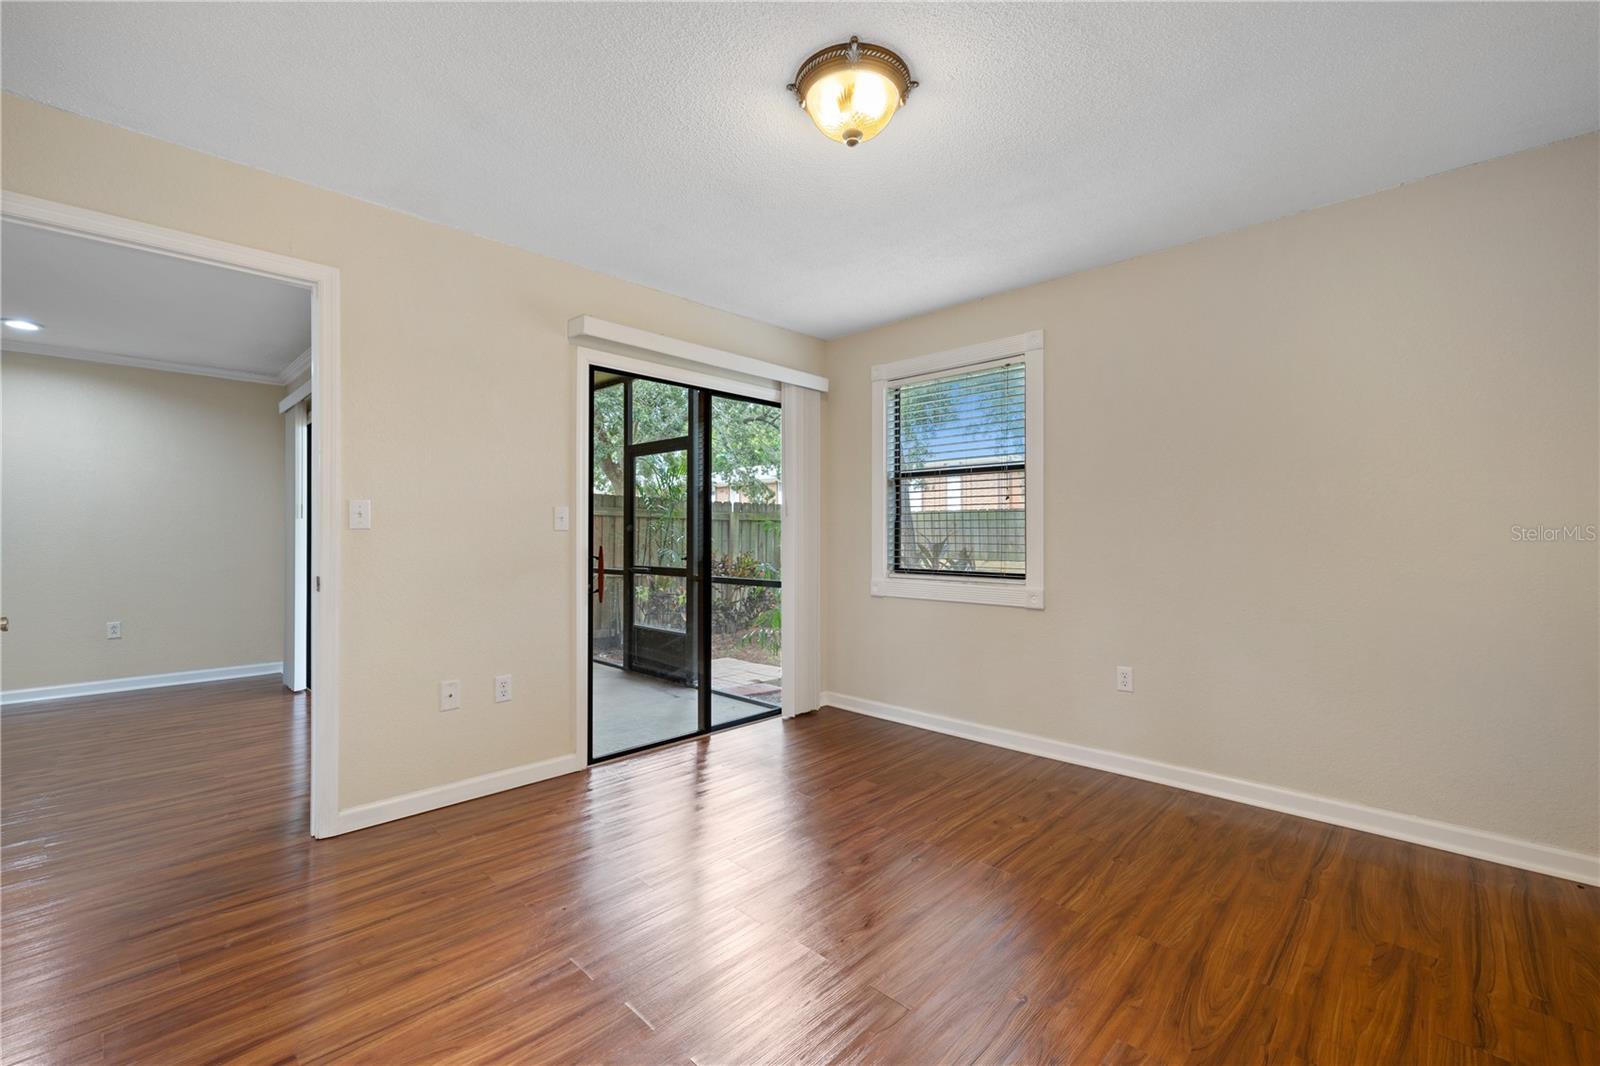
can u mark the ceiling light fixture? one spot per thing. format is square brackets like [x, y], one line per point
[852, 90]
[21, 323]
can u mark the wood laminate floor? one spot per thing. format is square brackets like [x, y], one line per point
[832, 888]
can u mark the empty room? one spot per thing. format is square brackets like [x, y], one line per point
[732, 533]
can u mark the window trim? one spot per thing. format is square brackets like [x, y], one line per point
[994, 591]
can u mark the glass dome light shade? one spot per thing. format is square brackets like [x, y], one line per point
[852, 90]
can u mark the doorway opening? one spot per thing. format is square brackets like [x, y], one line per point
[685, 626]
[224, 299]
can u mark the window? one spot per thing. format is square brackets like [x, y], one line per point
[957, 467]
[957, 470]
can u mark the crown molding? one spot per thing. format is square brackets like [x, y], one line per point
[61, 351]
[301, 364]
[294, 397]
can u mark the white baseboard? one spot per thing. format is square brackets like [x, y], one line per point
[1476, 843]
[133, 684]
[428, 799]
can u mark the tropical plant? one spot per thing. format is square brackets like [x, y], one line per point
[735, 608]
[766, 632]
[936, 555]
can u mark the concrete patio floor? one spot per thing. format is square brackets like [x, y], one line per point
[633, 709]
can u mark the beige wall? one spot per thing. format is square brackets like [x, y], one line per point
[456, 422]
[149, 498]
[1285, 464]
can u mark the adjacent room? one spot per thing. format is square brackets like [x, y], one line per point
[156, 481]
[150, 514]
[736, 533]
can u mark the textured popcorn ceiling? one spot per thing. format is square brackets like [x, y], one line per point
[656, 143]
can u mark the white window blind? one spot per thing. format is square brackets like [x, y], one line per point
[956, 452]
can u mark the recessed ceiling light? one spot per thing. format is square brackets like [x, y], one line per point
[21, 323]
[852, 90]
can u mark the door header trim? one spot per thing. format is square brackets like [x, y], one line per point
[626, 340]
[676, 374]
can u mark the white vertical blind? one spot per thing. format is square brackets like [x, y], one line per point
[802, 550]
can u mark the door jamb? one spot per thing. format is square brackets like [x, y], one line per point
[294, 653]
[323, 283]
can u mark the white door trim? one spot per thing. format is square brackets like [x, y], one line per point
[323, 282]
[693, 378]
[592, 332]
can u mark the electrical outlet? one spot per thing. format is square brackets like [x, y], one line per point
[113, 630]
[502, 688]
[449, 695]
[1124, 679]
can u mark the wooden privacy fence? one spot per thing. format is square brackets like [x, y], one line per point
[736, 529]
[991, 536]
[755, 529]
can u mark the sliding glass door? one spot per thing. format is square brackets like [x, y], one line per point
[746, 626]
[685, 629]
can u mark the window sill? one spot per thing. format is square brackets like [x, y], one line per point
[993, 592]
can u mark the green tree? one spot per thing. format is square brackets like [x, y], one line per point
[746, 441]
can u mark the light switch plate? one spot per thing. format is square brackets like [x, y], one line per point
[449, 695]
[562, 520]
[360, 514]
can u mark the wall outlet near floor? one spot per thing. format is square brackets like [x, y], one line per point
[113, 630]
[1124, 679]
[502, 688]
[449, 695]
